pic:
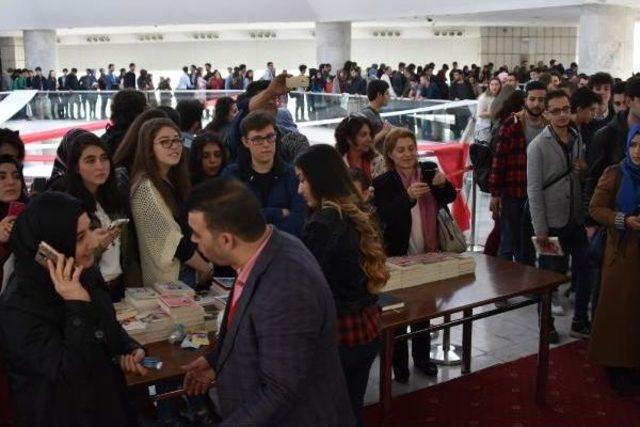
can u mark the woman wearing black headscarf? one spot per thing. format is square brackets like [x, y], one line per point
[55, 181]
[64, 349]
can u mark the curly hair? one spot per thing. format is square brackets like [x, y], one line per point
[346, 132]
[332, 187]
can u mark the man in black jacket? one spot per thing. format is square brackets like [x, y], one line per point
[608, 144]
[72, 84]
[130, 77]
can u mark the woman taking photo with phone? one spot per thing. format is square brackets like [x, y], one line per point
[90, 177]
[159, 185]
[347, 244]
[58, 330]
[407, 198]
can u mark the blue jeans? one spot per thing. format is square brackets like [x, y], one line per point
[356, 364]
[573, 239]
[510, 228]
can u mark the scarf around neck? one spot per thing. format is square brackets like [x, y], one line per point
[428, 206]
[628, 200]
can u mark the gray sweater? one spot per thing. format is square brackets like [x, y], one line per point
[551, 208]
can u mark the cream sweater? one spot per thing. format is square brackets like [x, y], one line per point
[158, 234]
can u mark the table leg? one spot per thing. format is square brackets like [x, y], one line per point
[466, 341]
[543, 350]
[386, 360]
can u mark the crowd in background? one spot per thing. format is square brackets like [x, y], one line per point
[564, 161]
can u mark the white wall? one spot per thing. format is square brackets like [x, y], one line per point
[164, 56]
[510, 45]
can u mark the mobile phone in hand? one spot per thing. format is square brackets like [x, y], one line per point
[16, 208]
[46, 252]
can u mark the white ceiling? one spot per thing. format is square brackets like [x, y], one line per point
[72, 14]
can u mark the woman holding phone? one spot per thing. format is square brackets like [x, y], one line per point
[12, 201]
[90, 177]
[58, 330]
[407, 198]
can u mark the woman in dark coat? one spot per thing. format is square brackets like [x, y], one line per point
[64, 349]
[407, 198]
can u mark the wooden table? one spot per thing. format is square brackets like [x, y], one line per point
[494, 280]
[172, 356]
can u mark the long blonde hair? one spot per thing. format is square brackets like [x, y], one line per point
[374, 264]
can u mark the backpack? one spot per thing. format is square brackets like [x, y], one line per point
[481, 157]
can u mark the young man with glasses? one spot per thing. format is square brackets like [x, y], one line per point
[272, 180]
[556, 167]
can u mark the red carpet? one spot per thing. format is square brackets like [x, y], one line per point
[578, 394]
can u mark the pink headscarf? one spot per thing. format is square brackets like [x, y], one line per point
[428, 212]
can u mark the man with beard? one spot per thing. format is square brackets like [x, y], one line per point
[508, 179]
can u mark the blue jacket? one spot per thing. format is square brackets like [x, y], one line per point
[283, 194]
[276, 361]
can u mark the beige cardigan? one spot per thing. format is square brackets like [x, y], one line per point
[158, 234]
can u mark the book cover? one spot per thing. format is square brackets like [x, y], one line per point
[141, 293]
[554, 248]
[389, 302]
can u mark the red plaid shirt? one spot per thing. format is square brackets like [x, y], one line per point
[359, 328]
[509, 169]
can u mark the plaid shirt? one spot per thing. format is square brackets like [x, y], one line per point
[359, 328]
[509, 169]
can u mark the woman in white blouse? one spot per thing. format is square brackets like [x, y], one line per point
[483, 113]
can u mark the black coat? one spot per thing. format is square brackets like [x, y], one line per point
[129, 80]
[61, 355]
[394, 209]
[335, 243]
[71, 82]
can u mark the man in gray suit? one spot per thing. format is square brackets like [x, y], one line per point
[556, 168]
[276, 362]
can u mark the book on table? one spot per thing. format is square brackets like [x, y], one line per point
[173, 288]
[141, 298]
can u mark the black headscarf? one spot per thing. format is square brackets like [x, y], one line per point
[60, 163]
[51, 217]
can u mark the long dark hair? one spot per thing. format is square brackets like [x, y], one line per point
[222, 110]
[347, 131]
[108, 195]
[127, 149]
[332, 188]
[4, 207]
[197, 150]
[145, 165]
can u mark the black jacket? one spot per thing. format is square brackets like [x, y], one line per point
[61, 355]
[606, 148]
[71, 82]
[113, 137]
[129, 80]
[335, 243]
[394, 209]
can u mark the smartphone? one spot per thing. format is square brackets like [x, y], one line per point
[45, 252]
[297, 81]
[429, 170]
[16, 208]
[118, 223]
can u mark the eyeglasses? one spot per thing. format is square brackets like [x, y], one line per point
[258, 140]
[558, 111]
[170, 143]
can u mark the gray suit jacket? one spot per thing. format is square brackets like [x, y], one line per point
[546, 161]
[278, 364]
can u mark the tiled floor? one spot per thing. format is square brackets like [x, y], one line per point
[495, 340]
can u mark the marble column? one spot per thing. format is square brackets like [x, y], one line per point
[40, 49]
[605, 39]
[333, 43]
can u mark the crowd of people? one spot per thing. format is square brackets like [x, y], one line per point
[560, 159]
[305, 232]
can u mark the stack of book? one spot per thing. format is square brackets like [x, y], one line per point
[158, 327]
[414, 270]
[142, 299]
[124, 310]
[183, 310]
[174, 288]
